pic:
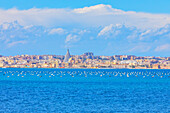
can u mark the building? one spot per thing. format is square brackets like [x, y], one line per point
[67, 56]
[88, 54]
[1, 64]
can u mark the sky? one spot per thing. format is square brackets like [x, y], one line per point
[104, 27]
[152, 6]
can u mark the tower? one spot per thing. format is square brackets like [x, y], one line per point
[67, 56]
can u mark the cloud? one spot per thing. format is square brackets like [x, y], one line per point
[16, 43]
[106, 30]
[118, 31]
[165, 47]
[88, 27]
[98, 15]
[14, 30]
[71, 38]
[81, 32]
[59, 31]
[140, 48]
[100, 9]
[111, 30]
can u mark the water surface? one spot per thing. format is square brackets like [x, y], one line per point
[84, 90]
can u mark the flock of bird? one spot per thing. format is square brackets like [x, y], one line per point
[86, 73]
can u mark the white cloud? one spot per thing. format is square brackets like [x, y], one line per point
[99, 9]
[71, 38]
[117, 31]
[82, 32]
[105, 30]
[28, 27]
[14, 30]
[140, 48]
[59, 31]
[145, 33]
[5, 26]
[98, 15]
[16, 43]
[86, 24]
[165, 47]
[111, 29]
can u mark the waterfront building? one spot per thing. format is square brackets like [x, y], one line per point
[67, 56]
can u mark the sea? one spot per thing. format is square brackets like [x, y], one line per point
[34, 90]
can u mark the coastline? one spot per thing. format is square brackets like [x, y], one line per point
[84, 68]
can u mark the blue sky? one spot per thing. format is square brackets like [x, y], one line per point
[152, 6]
[105, 27]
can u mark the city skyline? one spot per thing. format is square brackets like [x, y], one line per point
[85, 60]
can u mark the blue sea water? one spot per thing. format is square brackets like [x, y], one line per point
[84, 90]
